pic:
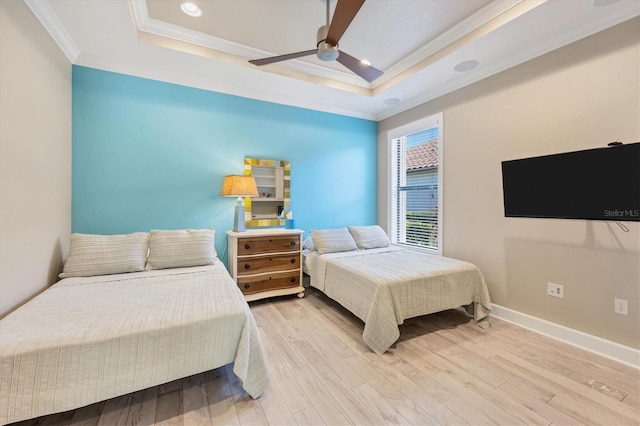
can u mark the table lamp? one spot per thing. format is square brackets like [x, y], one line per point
[239, 186]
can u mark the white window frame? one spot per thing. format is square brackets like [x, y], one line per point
[435, 120]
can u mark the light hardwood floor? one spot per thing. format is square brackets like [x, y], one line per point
[443, 370]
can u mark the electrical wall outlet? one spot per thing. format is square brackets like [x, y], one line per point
[555, 290]
[620, 306]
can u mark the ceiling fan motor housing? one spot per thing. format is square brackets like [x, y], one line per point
[326, 51]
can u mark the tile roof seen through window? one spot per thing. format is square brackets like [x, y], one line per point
[423, 156]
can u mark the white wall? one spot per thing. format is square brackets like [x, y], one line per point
[582, 96]
[35, 156]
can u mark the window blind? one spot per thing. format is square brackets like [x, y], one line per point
[415, 189]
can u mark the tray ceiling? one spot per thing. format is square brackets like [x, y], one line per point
[426, 48]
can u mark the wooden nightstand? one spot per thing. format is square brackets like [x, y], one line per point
[266, 262]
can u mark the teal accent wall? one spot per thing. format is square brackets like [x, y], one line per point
[153, 155]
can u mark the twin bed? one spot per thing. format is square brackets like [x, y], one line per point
[138, 310]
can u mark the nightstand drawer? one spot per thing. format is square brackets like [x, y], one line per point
[260, 264]
[270, 244]
[257, 283]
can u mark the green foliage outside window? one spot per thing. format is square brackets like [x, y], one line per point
[422, 229]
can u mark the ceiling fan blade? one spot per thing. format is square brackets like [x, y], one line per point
[345, 11]
[265, 61]
[367, 72]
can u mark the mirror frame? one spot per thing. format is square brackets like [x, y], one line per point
[286, 202]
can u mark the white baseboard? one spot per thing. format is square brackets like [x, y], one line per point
[606, 348]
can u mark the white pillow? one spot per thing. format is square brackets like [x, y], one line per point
[105, 254]
[181, 248]
[307, 244]
[368, 237]
[333, 240]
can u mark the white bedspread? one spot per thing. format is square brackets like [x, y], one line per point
[89, 339]
[383, 287]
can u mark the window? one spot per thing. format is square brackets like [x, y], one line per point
[416, 184]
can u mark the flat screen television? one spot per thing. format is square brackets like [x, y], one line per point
[594, 184]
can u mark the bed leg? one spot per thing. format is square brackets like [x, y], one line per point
[301, 295]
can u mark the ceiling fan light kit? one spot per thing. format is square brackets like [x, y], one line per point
[326, 51]
[328, 37]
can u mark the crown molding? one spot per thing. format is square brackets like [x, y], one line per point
[511, 13]
[145, 24]
[150, 25]
[489, 18]
[192, 49]
[455, 33]
[483, 21]
[42, 10]
[213, 86]
[485, 71]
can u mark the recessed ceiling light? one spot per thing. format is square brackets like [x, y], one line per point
[391, 101]
[191, 9]
[365, 62]
[466, 65]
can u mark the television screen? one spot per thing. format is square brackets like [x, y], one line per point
[596, 184]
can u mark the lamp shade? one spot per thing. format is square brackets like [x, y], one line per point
[239, 186]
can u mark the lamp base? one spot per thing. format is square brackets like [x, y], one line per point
[238, 221]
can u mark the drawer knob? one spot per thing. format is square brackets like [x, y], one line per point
[293, 261]
[247, 286]
[293, 279]
[247, 246]
[293, 243]
[247, 266]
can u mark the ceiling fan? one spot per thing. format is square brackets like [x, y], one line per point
[328, 37]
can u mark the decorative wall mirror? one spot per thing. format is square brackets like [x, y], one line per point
[273, 179]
